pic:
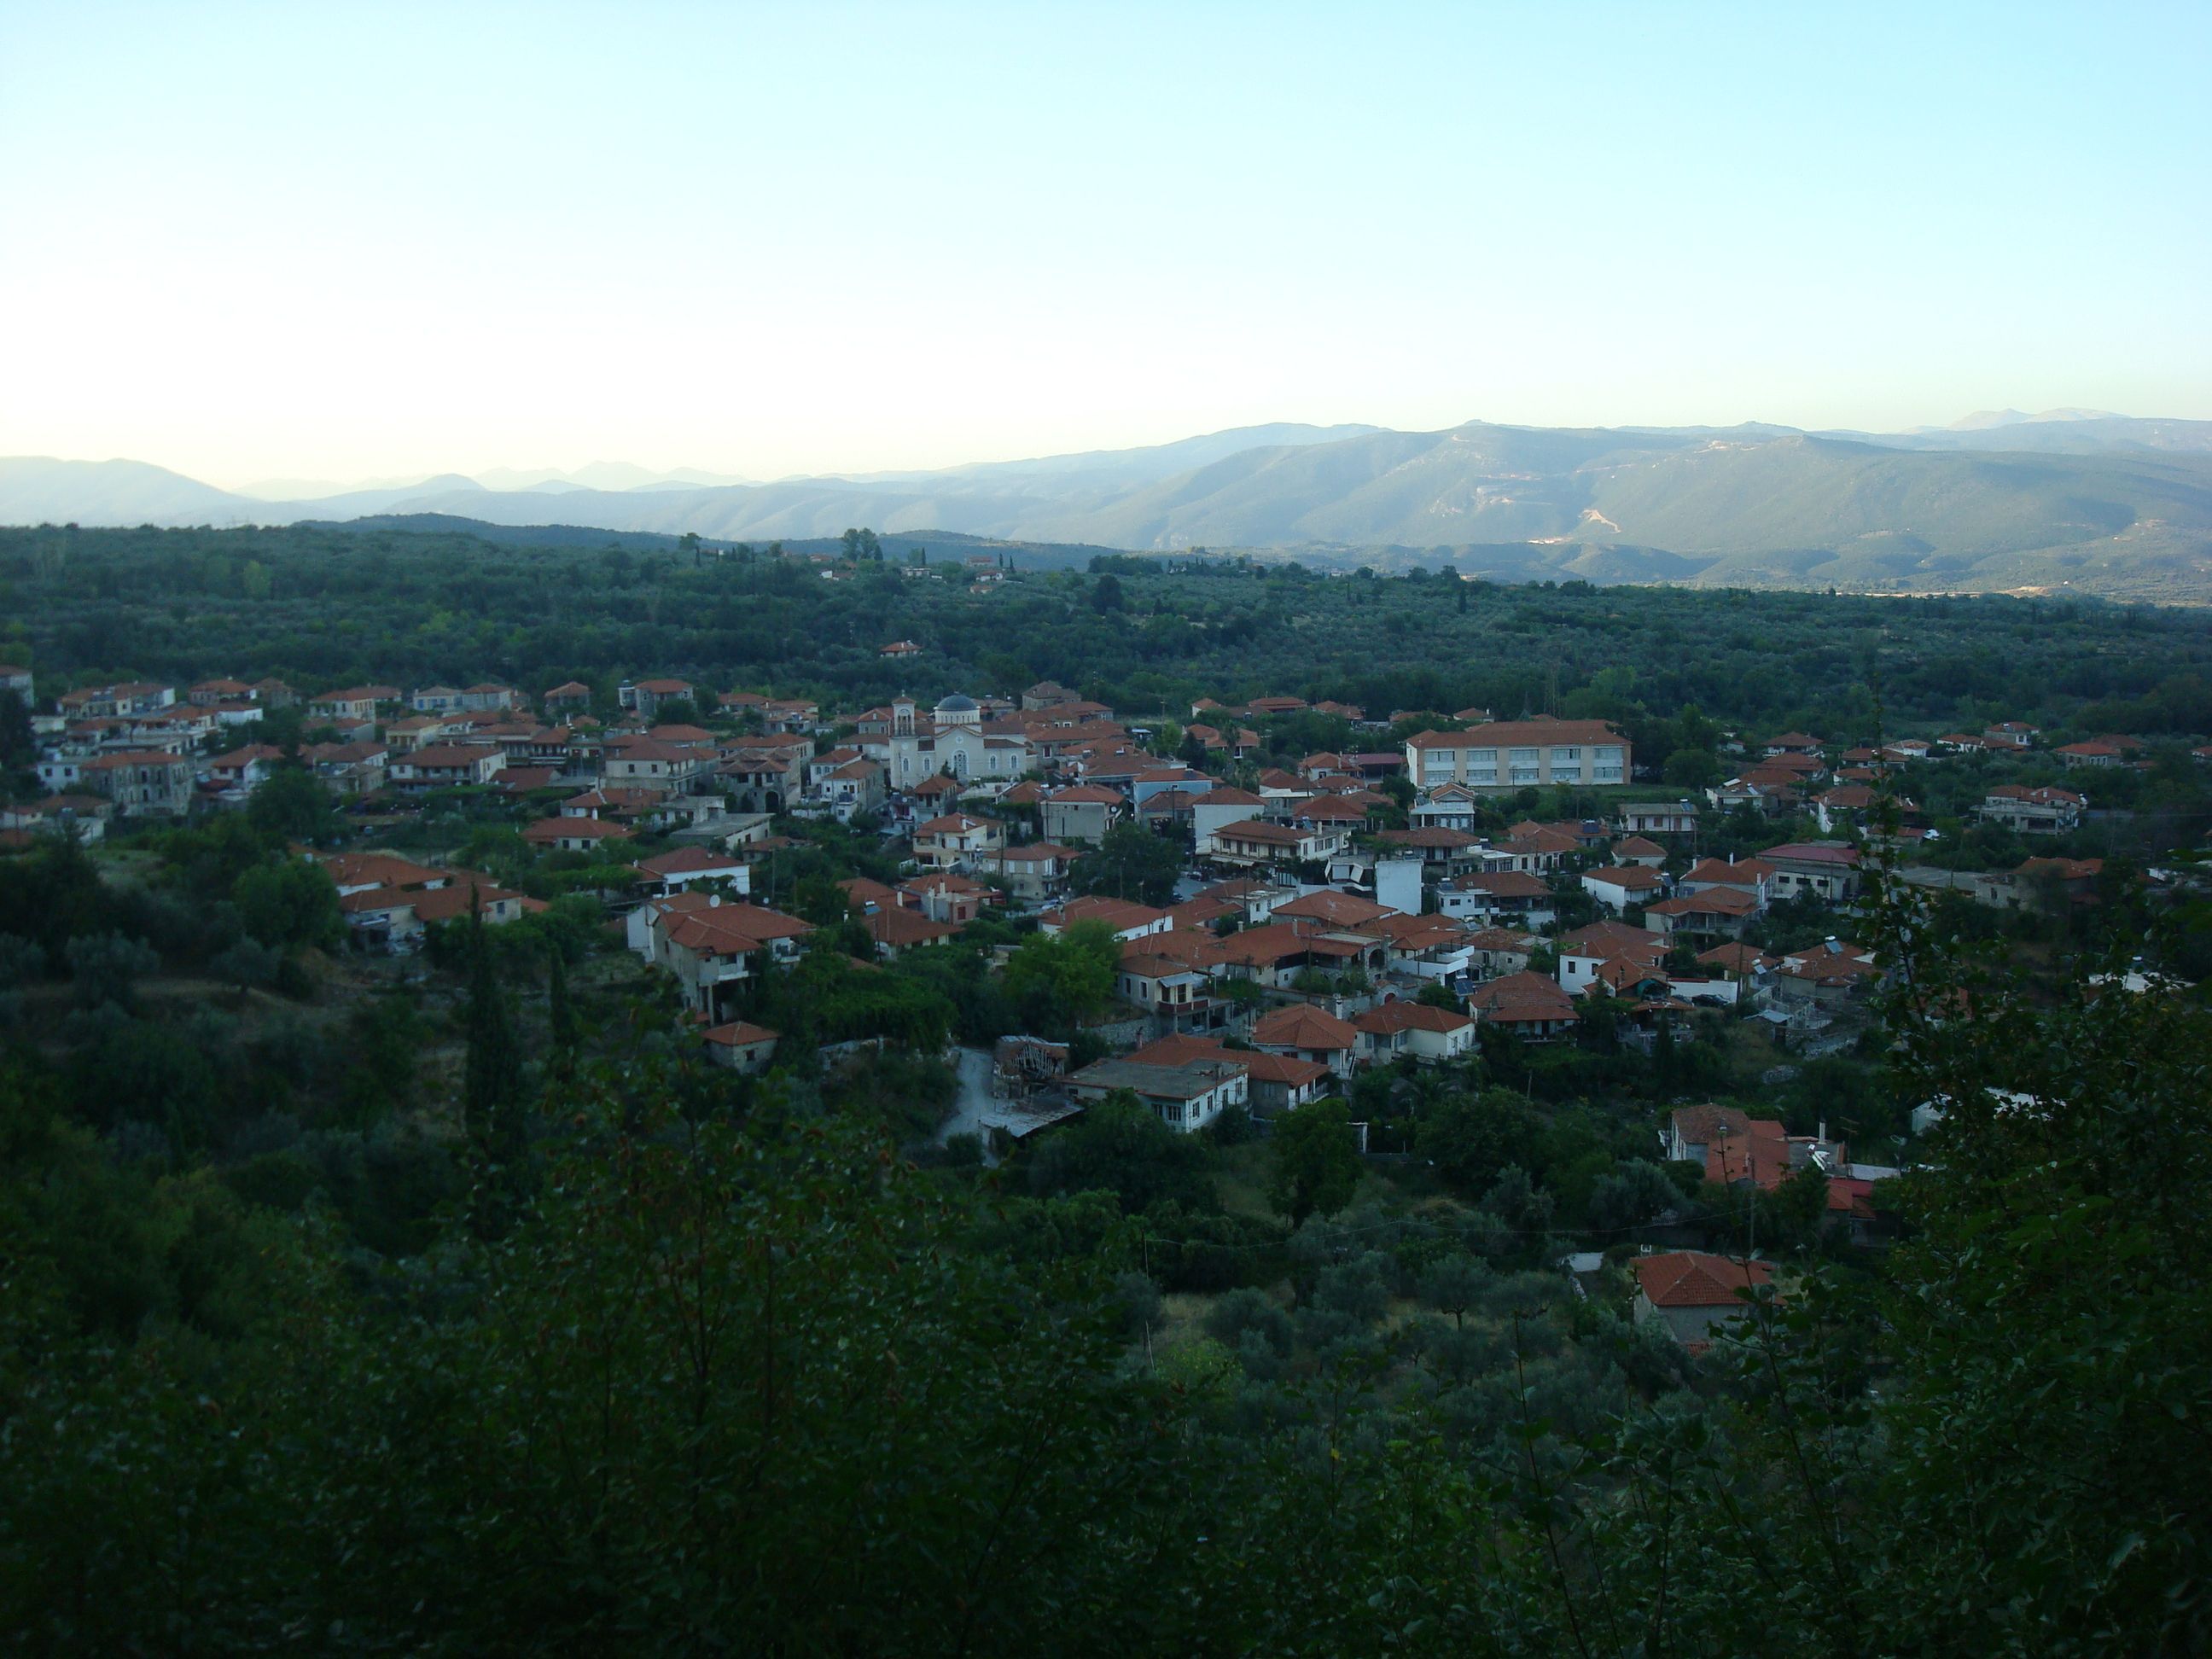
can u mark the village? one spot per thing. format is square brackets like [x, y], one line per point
[1318, 832]
[1279, 932]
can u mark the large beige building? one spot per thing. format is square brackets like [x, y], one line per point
[1515, 754]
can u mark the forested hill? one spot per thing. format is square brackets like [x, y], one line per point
[2101, 506]
[919, 546]
[319, 608]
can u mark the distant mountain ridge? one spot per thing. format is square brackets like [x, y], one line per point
[2070, 498]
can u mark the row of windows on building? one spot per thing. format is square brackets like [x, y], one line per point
[1521, 765]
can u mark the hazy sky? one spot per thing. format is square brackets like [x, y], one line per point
[335, 242]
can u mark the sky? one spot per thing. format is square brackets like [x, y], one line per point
[336, 242]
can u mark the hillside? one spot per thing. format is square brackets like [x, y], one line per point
[2127, 512]
[936, 546]
[38, 488]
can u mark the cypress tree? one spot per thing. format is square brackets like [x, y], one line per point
[560, 1016]
[491, 1098]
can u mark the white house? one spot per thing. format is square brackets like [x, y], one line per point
[1080, 815]
[1217, 809]
[1619, 886]
[1186, 1095]
[1433, 1035]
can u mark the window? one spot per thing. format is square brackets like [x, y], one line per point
[1569, 756]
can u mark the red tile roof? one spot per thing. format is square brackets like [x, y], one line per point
[688, 860]
[1744, 872]
[896, 928]
[1691, 1278]
[1402, 1016]
[1083, 795]
[1713, 901]
[1631, 878]
[1737, 957]
[1338, 909]
[1504, 884]
[1700, 1125]
[1117, 914]
[1813, 852]
[1758, 1153]
[1522, 999]
[542, 832]
[1615, 939]
[1301, 1026]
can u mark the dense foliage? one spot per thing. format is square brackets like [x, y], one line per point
[322, 607]
[459, 1305]
[699, 1362]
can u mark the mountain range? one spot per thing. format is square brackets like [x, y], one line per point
[2072, 499]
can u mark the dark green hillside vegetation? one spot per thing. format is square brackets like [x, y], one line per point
[478, 1314]
[457, 1304]
[321, 608]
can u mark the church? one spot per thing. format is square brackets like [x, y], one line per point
[949, 738]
